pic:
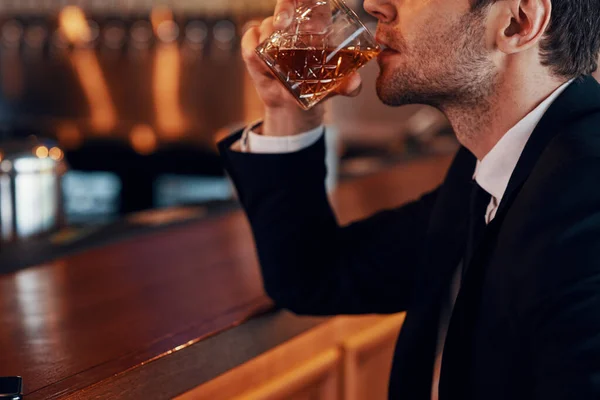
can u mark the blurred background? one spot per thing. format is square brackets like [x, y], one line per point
[113, 107]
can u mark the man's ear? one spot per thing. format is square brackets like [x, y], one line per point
[520, 24]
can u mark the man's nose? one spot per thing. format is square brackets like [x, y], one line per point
[383, 10]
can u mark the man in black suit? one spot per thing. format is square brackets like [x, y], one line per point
[499, 268]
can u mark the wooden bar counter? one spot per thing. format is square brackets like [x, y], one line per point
[160, 314]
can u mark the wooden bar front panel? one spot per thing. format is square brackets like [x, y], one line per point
[85, 319]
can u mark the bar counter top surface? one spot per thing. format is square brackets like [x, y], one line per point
[158, 314]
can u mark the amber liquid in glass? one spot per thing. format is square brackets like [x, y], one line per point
[311, 74]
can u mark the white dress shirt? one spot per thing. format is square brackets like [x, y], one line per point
[252, 142]
[492, 173]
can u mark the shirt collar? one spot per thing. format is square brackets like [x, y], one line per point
[494, 171]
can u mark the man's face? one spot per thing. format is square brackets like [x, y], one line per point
[437, 52]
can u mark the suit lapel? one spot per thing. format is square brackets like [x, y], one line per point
[579, 99]
[413, 362]
[447, 232]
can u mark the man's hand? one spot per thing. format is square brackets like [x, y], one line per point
[283, 116]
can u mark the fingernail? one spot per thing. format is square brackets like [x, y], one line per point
[282, 19]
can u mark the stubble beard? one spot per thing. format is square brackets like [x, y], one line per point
[443, 73]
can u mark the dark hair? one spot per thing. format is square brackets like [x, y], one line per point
[571, 45]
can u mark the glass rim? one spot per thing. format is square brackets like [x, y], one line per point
[342, 5]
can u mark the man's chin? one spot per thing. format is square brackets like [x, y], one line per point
[388, 100]
[390, 94]
[403, 89]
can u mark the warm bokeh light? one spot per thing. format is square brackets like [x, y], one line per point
[69, 135]
[11, 34]
[196, 33]
[56, 154]
[167, 75]
[74, 26]
[170, 119]
[76, 29]
[143, 139]
[141, 34]
[167, 32]
[41, 152]
[103, 112]
[160, 15]
[36, 36]
[115, 35]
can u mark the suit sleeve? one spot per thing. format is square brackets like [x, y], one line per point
[562, 315]
[310, 264]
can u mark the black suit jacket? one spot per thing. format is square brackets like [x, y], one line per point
[526, 324]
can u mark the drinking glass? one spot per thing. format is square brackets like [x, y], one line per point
[325, 43]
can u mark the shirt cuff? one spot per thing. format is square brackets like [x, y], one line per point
[252, 142]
